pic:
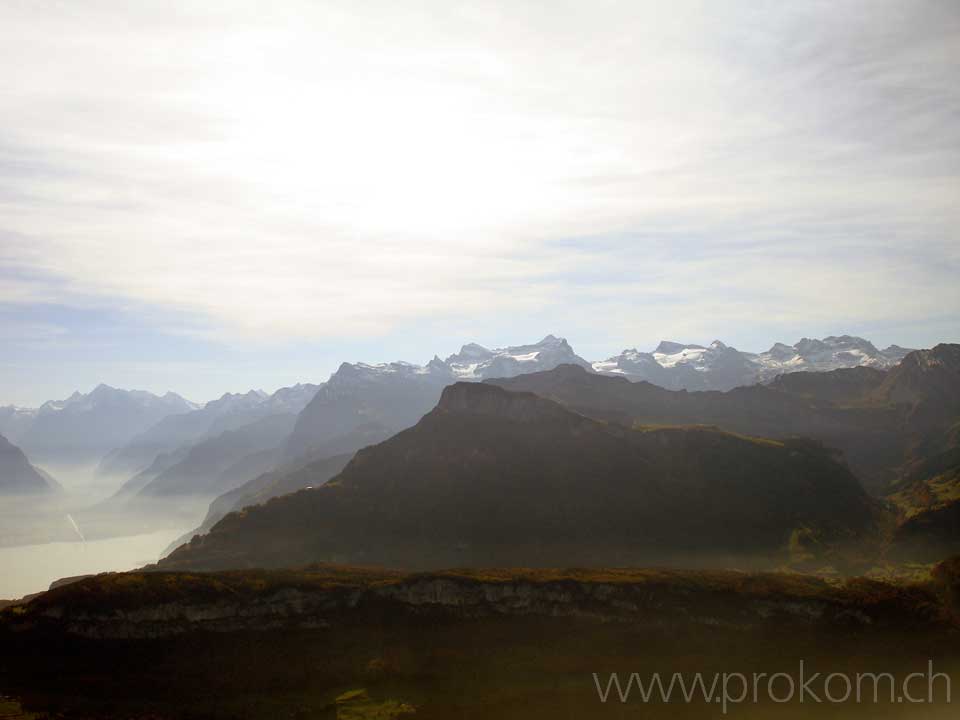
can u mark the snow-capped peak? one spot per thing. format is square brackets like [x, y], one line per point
[471, 351]
[830, 353]
[512, 360]
[671, 354]
[668, 347]
[718, 366]
[472, 362]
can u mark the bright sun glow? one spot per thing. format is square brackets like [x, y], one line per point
[315, 172]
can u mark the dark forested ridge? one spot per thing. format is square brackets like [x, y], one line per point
[495, 477]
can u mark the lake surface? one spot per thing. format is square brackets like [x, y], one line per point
[31, 568]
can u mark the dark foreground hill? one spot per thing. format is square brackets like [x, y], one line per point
[928, 383]
[491, 477]
[871, 438]
[899, 429]
[264, 487]
[341, 642]
[887, 423]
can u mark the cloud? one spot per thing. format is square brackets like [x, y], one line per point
[334, 170]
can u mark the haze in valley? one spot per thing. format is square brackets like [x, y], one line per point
[385, 359]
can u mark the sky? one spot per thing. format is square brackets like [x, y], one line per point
[207, 197]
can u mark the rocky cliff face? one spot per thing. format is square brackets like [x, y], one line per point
[104, 608]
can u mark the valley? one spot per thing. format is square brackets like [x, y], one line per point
[590, 517]
[479, 360]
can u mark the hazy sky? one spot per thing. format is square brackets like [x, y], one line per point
[212, 196]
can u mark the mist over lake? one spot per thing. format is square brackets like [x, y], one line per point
[489, 361]
[28, 569]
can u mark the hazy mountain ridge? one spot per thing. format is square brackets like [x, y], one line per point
[225, 444]
[210, 467]
[14, 421]
[396, 395]
[266, 486]
[899, 428]
[18, 476]
[229, 412]
[85, 426]
[184, 460]
[871, 414]
[311, 470]
[496, 477]
[882, 420]
[670, 365]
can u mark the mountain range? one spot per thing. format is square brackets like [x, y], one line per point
[18, 476]
[579, 442]
[391, 396]
[676, 366]
[229, 412]
[396, 395]
[173, 448]
[530, 455]
[193, 457]
[84, 427]
[363, 401]
[898, 429]
[127, 429]
[885, 422]
[492, 478]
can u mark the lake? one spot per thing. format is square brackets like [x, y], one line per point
[28, 569]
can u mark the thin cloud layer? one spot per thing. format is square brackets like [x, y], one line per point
[327, 171]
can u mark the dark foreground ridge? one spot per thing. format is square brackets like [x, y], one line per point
[352, 643]
[158, 604]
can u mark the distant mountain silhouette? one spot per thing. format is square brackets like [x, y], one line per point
[134, 428]
[396, 395]
[225, 461]
[84, 427]
[229, 412]
[678, 366]
[18, 476]
[491, 477]
[883, 421]
[311, 470]
[15, 421]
